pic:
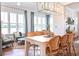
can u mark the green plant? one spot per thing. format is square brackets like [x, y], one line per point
[69, 22]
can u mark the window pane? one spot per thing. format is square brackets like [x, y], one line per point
[13, 23]
[35, 23]
[4, 25]
[4, 30]
[35, 20]
[4, 17]
[20, 18]
[21, 30]
[12, 30]
[44, 23]
[4, 22]
[39, 22]
[12, 17]
[21, 27]
[51, 23]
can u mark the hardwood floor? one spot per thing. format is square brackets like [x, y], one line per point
[21, 51]
[13, 52]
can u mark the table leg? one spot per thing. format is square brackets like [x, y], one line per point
[26, 48]
[43, 50]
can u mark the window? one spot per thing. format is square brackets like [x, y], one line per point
[21, 24]
[39, 22]
[51, 23]
[13, 22]
[4, 22]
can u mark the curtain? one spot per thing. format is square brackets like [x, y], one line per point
[26, 26]
[32, 21]
[48, 19]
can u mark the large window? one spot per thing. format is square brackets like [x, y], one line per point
[12, 22]
[4, 22]
[21, 27]
[40, 22]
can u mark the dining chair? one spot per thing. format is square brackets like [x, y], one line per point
[70, 42]
[53, 46]
[64, 45]
[45, 32]
[30, 34]
[52, 33]
[38, 33]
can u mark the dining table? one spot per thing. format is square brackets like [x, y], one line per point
[41, 41]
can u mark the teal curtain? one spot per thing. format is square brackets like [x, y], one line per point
[26, 25]
[48, 19]
[32, 21]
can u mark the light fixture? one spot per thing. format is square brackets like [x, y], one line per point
[46, 7]
[18, 3]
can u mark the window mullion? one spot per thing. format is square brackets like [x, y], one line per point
[9, 22]
[37, 24]
[17, 27]
[41, 22]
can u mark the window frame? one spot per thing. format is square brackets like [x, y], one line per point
[9, 23]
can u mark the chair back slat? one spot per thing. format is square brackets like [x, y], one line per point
[54, 43]
[63, 40]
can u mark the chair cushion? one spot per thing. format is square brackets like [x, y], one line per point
[17, 34]
[7, 42]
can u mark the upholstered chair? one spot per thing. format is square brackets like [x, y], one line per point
[53, 46]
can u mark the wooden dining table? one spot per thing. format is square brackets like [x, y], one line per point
[41, 41]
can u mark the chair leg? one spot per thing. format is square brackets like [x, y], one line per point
[34, 50]
[67, 51]
[63, 51]
[12, 45]
[74, 50]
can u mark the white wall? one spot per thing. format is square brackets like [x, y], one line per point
[59, 21]
[59, 24]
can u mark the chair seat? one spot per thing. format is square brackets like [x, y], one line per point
[7, 42]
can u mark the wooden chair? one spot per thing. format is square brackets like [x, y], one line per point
[52, 33]
[31, 34]
[45, 32]
[38, 33]
[70, 43]
[63, 44]
[53, 46]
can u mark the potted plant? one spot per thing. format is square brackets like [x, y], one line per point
[70, 25]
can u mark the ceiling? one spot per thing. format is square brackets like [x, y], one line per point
[74, 6]
[33, 5]
[23, 5]
[65, 3]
